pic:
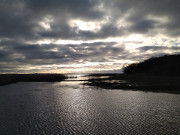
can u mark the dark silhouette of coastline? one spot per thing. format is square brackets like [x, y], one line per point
[158, 74]
[13, 78]
[167, 84]
[167, 65]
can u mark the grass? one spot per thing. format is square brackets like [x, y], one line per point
[168, 84]
[13, 78]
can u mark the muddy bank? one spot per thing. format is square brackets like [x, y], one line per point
[168, 84]
[13, 78]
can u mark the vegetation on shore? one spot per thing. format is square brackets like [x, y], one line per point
[167, 65]
[168, 84]
[158, 74]
[13, 78]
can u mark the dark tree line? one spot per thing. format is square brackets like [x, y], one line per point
[13, 78]
[165, 65]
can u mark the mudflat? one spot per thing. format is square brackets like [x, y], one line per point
[169, 84]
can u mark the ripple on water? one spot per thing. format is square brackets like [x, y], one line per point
[71, 108]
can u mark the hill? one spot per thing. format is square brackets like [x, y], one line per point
[168, 65]
[157, 74]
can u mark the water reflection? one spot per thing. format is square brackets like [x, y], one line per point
[71, 108]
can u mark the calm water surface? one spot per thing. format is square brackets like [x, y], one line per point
[69, 108]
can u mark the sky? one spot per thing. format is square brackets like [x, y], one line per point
[84, 36]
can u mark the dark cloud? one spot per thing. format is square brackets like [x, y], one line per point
[53, 53]
[159, 48]
[143, 26]
[3, 55]
[25, 23]
[138, 11]
[20, 19]
[74, 8]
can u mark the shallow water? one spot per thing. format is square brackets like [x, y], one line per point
[69, 107]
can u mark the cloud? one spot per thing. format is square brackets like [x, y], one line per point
[32, 32]
[80, 8]
[22, 19]
[143, 26]
[159, 48]
[36, 54]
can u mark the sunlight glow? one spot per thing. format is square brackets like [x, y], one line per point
[135, 38]
[86, 26]
[132, 38]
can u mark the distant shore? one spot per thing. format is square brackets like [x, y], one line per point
[168, 84]
[6, 79]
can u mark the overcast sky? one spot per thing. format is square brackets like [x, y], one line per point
[66, 36]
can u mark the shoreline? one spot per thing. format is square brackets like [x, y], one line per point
[6, 79]
[147, 83]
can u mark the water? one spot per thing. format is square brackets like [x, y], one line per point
[71, 108]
